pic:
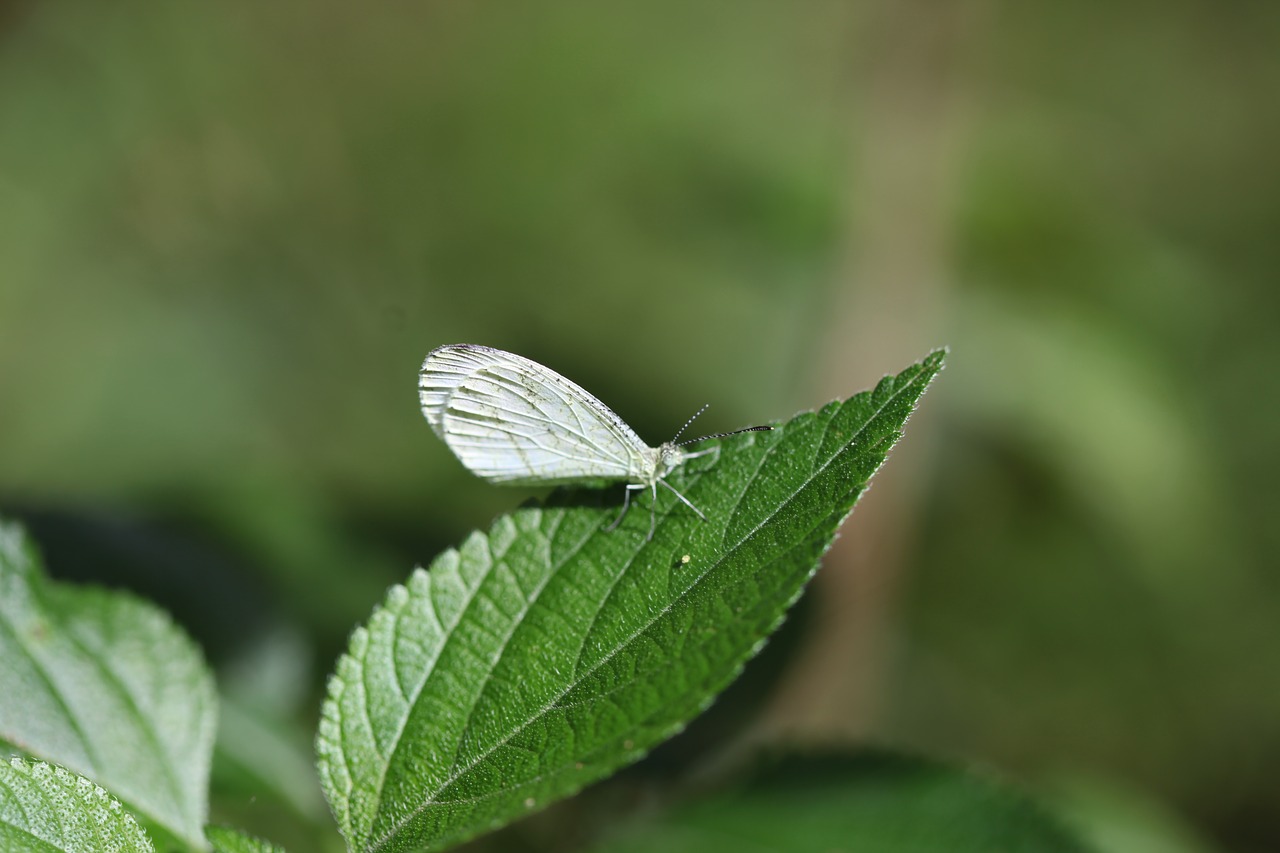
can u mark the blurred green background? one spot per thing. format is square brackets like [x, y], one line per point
[230, 232]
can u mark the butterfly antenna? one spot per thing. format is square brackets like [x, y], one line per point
[725, 435]
[680, 431]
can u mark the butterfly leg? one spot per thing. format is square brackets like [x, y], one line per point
[653, 512]
[680, 496]
[626, 502]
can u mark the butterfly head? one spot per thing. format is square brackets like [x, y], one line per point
[667, 459]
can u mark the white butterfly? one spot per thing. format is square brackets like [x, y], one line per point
[513, 421]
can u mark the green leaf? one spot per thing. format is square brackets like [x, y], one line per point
[1120, 818]
[261, 757]
[874, 802]
[549, 652]
[107, 686]
[44, 809]
[227, 840]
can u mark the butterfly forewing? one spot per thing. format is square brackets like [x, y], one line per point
[512, 420]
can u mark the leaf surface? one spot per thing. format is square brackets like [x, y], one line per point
[46, 809]
[547, 653]
[107, 686]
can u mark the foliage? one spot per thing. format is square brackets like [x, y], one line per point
[548, 652]
[227, 840]
[229, 231]
[45, 809]
[107, 686]
[871, 801]
[538, 657]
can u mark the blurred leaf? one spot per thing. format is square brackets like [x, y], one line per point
[1121, 819]
[107, 686]
[260, 756]
[866, 803]
[547, 653]
[45, 809]
[273, 674]
[227, 840]
[261, 753]
[1101, 410]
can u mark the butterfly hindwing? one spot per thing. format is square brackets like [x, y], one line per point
[512, 420]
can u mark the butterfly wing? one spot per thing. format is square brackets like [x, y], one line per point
[512, 420]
